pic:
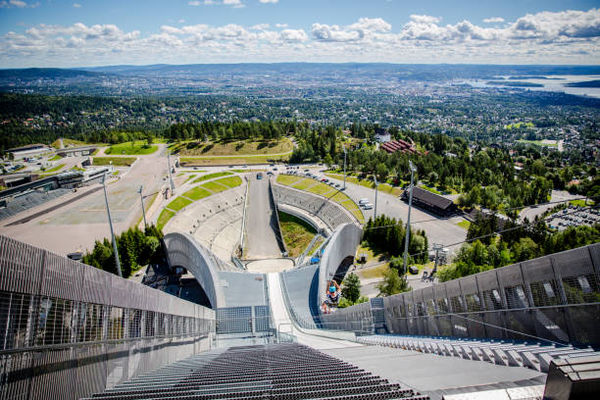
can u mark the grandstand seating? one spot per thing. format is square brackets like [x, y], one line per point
[332, 214]
[30, 200]
[536, 356]
[275, 371]
[211, 221]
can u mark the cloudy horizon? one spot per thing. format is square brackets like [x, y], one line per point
[219, 34]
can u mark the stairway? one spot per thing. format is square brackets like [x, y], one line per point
[275, 371]
[536, 356]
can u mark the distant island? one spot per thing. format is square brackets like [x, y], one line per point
[514, 84]
[586, 84]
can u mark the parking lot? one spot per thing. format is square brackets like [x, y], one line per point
[573, 216]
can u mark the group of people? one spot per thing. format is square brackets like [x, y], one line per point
[332, 296]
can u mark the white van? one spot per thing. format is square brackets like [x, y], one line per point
[363, 201]
[367, 206]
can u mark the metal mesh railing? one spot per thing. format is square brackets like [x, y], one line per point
[65, 322]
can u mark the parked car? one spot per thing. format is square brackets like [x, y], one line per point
[363, 201]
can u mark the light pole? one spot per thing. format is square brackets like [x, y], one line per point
[170, 175]
[112, 232]
[344, 168]
[412, 172]
[143, 209]
[375, 208]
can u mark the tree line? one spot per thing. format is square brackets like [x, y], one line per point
[136, 249]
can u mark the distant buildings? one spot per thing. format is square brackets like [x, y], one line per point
[31, 150]
[398, 145]
[431, 202]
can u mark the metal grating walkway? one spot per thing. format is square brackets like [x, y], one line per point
[276, 371]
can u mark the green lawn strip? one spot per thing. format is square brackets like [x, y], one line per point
[464, 224]
[211, 176]
[54, 169]
[296, 233]
[322, 189]
[373, 272]
[179, 203]
[231, 182]
[288, 180]
[55, 158]
[138, 147]
[233, 147]
[302, 184]
[164, 217]
[117, 161]
[197, 193]
[214, 187]
[579, 203]
[189, 177]
[230, 160]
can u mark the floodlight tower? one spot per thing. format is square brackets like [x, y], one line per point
[143, 209]
[375, 208]
[112, 232]
[170, 175]
[344, 167]
[410, 195]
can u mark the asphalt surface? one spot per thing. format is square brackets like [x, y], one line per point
[77, 225]
[261, 240]
[439, 230]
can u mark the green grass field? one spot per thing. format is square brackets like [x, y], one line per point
[296, 233]
[211, 176]
[178, 204]
[197, 193]
[287, 179]
[232, 181]
[214, 187]
[464, 224]
[233, 148]
[164, 217]
[230, 160]
[311, 185]
[373, 272]
[138, 147]
[116, 161]
[55, 158]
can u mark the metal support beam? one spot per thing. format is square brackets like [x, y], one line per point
[410, 196]
[112, 232]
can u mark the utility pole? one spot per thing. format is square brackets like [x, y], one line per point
[112, 232]
[143, 209]
[375, 208]
[170, 175]
[344, 168]
[410, 195]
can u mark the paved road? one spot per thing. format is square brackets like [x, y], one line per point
[77, 225]
[439, 230]
[557, 195]
[260, 237]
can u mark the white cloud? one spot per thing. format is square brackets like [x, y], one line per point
[194, 3]
[269, 1]
[233, 3]
[493, 20]
[76, 5]
[18, 4]
[294, 35]
[548, 37]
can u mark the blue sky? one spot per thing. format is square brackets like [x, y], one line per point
[84, 32]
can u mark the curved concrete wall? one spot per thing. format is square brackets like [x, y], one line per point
[184, 251]
[342, 244]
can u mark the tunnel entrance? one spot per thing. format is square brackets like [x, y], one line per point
[342, 269]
